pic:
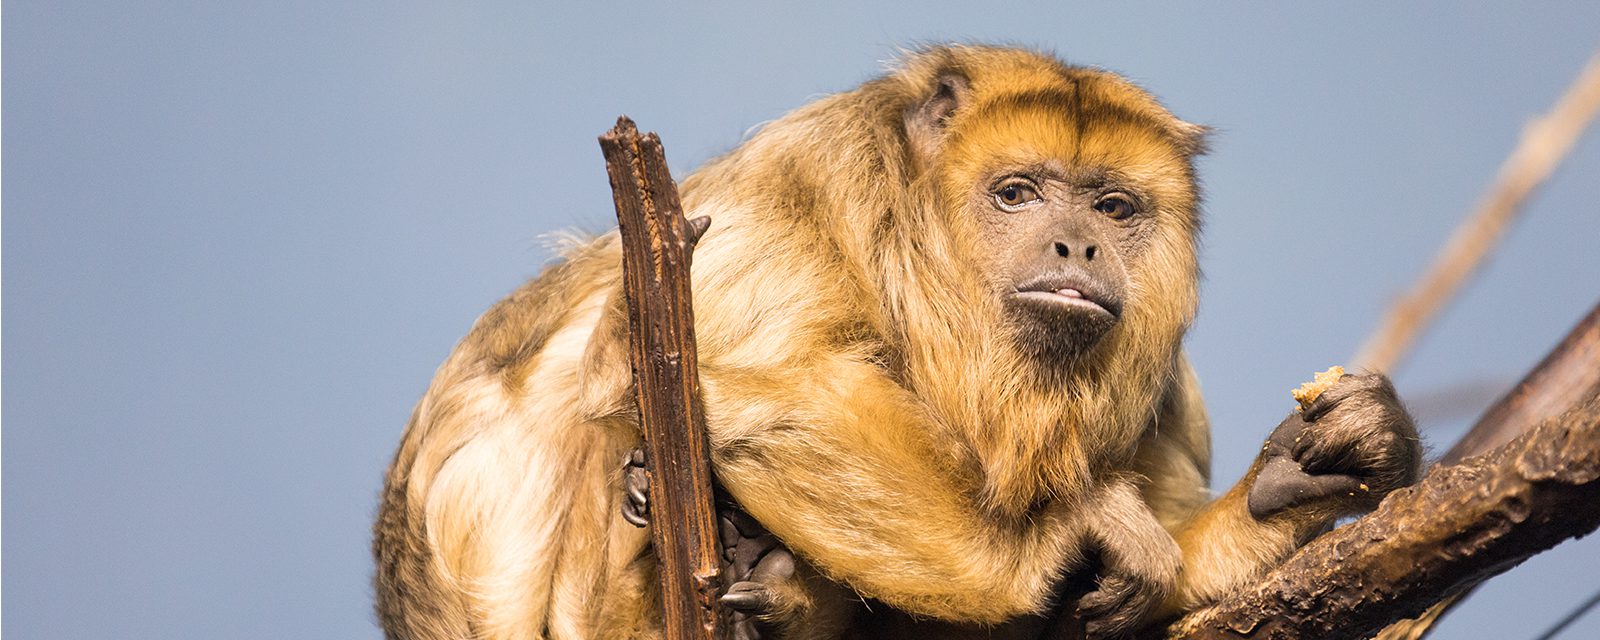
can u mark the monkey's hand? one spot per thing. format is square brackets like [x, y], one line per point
[1139, 563]
[1341, 455]
[635, 489]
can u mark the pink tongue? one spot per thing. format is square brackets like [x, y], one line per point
[1070, 293]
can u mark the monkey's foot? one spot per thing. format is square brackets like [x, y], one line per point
[635, 489]
[762, 595]
[1348, 449]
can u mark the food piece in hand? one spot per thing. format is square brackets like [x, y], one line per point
[1310, 390]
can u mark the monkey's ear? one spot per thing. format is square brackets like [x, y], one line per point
[925, 120]
[1194, 139]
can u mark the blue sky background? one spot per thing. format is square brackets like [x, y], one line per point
[238, 238]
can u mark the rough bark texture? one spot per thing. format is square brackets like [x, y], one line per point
[1568, 374]
[1465, 522]
[657, 243]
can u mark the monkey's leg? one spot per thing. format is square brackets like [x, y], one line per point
[766, 595]
[1339, 457]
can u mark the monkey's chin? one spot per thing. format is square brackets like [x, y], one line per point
[1057, 330]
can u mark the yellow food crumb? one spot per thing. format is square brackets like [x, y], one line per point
[1310, 390]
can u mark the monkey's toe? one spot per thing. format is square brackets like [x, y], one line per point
[748, 597]
[756, 610]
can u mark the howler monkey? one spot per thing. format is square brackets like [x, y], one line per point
[940, 323]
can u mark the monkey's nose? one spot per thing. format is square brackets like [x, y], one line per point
[1065, 251]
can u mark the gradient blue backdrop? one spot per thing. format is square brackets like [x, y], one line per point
[239, 237]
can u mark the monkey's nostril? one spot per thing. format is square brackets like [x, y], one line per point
[1089, 253]
[1061, 249]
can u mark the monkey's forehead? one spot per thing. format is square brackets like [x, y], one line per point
[1029, 132]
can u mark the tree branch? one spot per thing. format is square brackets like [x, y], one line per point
[1464, 523]
[1545, 142]
[656, 247]
[1565, 376]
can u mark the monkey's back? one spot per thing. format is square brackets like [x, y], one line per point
[498, 517]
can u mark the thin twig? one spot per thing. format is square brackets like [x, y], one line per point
[1545, 142]
[1570, 618]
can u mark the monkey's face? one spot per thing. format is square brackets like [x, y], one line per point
[1084, 221]
[1058, 237]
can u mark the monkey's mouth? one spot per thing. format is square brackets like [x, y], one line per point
[1070, 293]
[1064, 296]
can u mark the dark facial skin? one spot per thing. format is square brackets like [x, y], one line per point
[1060, 240]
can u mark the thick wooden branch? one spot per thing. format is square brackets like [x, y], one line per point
[1565, 376]
[1464, 523]
[657, 243]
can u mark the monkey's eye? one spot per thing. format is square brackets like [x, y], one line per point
[1011, 196]
[1115, 205]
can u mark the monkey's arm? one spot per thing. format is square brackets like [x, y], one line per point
[1224, 547]
[1339, 457]
[845, 467]
[1139, 561]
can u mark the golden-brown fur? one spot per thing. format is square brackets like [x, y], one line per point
[863, 399]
